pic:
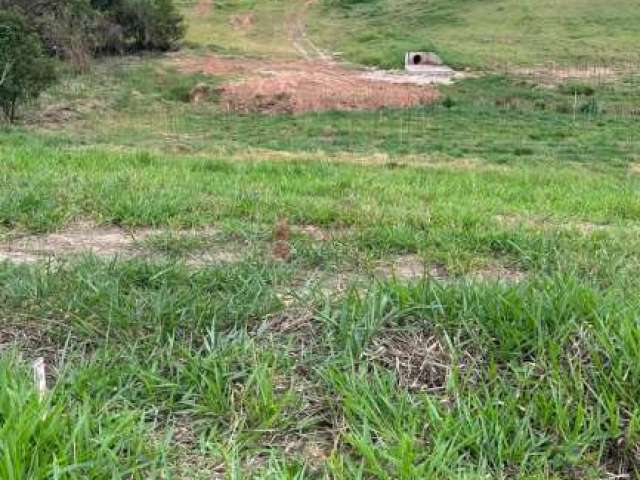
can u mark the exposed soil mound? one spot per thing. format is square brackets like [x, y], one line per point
[304, 86]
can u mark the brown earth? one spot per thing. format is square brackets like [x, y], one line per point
[299, 86]
[243, 21]
[203, 7]
[107, 241]
[102, 241]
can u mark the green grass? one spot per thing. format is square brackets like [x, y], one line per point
[199, 355]
[519, 384]
[480, 34]
[493, 118]
[215, 28]
[163, 369]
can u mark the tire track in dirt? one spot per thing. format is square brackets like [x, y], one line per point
[314, 82]
[296, 25]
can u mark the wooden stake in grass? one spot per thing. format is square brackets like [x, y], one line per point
[281, 250]
[39, 377]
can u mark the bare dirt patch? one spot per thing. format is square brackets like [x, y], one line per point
[498, 273]
[203, 7]
[108, 241]
[548, 224]
[30, 338]
[102, 241]
[410, 267]
[562, 73]
[299, 86]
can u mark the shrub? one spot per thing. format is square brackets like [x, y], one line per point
[75, 29]
[577, 89]
[591, 107]
[66, 27]
[149, 24]
[25, 69]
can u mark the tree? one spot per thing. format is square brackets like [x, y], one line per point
[66, 27]
[149, 24]
[24, 68]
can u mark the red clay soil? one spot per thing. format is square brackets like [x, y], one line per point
[302, 85]
[203, 7]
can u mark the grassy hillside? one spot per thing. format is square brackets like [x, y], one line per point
[481, 34]
[142, 103]
[250, 27]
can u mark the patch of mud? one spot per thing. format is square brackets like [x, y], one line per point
[276, 87]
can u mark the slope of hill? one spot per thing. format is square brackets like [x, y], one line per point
[482, 34]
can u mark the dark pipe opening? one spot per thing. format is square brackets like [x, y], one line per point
[417, 59]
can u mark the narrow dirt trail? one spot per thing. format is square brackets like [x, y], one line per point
[313, 82]
[296, 26]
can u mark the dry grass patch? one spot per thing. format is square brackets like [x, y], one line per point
[421, 360]
[410, 267]
[498, 273]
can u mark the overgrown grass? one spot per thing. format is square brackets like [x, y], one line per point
[520, 195]
[160, 369]
[518, 382]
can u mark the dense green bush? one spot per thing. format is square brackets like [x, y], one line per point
[24, 68]
[149, 24]
[67, 28]
[76, 29]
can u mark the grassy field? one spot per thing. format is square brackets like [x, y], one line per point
[481, 34]
[448, 292]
